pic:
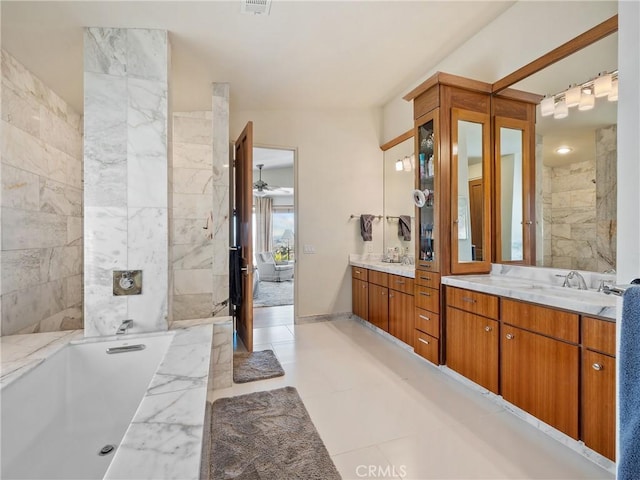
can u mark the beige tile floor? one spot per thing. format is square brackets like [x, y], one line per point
[383, 412]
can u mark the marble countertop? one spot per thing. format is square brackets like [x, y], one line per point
[164, 439]
[374, 262]
[517, 284]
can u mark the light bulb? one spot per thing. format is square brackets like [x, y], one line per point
[546, 106]
[572, 96]
[602, 84]
[406, 164]
[613, 95]
[564, 150]
[398, 165]
[587, 100]
[561, 110]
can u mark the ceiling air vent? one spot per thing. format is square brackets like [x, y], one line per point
[256, 7]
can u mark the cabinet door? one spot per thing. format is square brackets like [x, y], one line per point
[540, 375]
[379, 306]
[427, 180]
[472, 347]
[470, 192]
[599, 403]
[515, 224]
[360, 298]
[401, 311]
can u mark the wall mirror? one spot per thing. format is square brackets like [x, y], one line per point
[470, 188]
[399, 180]
[576, 168]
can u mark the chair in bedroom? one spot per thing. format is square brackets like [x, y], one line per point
[271, 272]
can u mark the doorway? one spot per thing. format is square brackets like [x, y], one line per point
[274, 227]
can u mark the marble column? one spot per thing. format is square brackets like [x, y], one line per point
[606, 197]
[220, 204]
[125, 176]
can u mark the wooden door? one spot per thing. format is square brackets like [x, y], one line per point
[243, 235]
[360, 298]
[472, 347]
[475, 207]
[401, 311]
[540, 375]
[379, 306]
[599, 403]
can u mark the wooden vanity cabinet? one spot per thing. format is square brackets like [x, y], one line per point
[598, 396]
[472, 333]
[540, 363]
[427, 316]
[401, 308]
[379, 299]
[360, 292]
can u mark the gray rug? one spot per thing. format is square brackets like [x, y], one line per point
[267, 435]
[274, 294]
[249, 367]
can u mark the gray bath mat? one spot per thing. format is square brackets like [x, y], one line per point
[266, 435]
[249, 367]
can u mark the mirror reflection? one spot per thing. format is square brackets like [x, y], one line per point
[399, 180]
[576, 186]
[509, 173]
[470, 192]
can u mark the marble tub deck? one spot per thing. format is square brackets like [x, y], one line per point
[165, 437]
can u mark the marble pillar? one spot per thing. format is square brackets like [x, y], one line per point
[606, 197]
[220, 204]
[125, 176]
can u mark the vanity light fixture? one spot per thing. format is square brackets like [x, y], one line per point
[399, 165]
[582, 95]
[561, 110]
[587, 100]
[613, 95]
[406, 163]
[563, 150]
[602, 84]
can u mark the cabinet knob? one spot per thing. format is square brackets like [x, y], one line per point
[391, 295]
[424, 294]
[487, 328]
[468, 300]
[509, 336]
[425, 278]
[597, 366]
[401, 282]
[383, 293]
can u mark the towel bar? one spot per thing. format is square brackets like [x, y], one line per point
[619, 290]
[358, 216]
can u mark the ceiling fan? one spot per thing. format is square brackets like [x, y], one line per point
[260, 188]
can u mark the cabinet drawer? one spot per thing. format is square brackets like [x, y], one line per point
[360, 273]
[599, 335]
[379, 278]
[426, 346]
[427, 322]
[426, 279]
[474, 302]
[427, 299]
[544, 320]
[401, 284]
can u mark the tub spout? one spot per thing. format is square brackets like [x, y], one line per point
[124, 326]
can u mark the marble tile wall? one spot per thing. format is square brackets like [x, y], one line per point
[199, 215]
[579, 209]
[191, 215]
[126, 176]
[606, 197]
[42, 201]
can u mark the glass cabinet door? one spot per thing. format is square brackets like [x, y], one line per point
[427, 246]
[470, 192]
[515, 229]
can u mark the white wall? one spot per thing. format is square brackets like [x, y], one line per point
[339, 173]
[628, 142]
[521, 34]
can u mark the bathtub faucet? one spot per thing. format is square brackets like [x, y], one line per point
[124, 326]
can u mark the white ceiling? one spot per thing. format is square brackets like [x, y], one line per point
[313, 54]
[272, 158]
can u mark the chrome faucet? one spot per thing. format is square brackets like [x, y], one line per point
[581, 283]
[124, 326]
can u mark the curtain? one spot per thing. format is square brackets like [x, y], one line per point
[264, 224]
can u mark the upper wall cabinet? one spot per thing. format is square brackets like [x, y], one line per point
[452, 134]
[476, 203]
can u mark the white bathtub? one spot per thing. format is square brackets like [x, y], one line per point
[57, 417]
